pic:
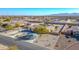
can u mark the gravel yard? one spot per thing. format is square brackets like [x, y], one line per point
[47, 40]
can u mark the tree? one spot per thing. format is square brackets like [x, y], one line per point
[41, 30]
[4, 25]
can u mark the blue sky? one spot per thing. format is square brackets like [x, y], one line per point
[36, 11]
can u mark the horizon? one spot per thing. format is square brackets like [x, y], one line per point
[35, 11]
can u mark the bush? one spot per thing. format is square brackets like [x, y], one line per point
[41, 30]
[18, 24]
[8, 20]
[1, 23]
[9, 27]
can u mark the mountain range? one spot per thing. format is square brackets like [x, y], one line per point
[66, 14]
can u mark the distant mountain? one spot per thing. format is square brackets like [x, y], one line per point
[66, 14]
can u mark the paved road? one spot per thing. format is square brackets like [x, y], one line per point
[21, 45]
[60, 23]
